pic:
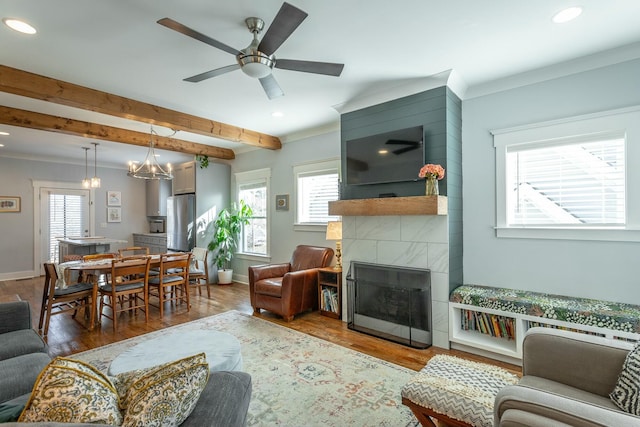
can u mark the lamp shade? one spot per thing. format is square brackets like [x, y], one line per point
[334, 230]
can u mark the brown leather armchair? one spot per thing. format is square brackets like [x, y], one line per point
[289, 288]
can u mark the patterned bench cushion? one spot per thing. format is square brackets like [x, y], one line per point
[583, 311]
[458, 388]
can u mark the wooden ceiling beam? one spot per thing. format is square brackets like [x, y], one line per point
[34, 86]
[32, 120]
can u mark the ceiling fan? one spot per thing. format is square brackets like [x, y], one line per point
[258, 60]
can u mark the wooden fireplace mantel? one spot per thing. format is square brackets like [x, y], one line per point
[416, 205]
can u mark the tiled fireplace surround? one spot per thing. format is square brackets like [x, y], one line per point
[419, 241]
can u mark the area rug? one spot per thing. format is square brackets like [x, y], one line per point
[298, 380]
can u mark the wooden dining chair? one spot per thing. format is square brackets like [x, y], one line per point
[133, 250]
[172, 283]
[127, 288]
[199, 270]
[97, 257]
[61, 300]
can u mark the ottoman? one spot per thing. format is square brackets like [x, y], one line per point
[222, 350]
[456, 391]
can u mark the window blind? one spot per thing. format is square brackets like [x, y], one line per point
[315, 191]
[577, 184]
[67, 218]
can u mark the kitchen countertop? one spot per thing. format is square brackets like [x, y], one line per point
[88, 241]
[151, 234]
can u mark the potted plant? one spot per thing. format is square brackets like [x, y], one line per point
[228, 226]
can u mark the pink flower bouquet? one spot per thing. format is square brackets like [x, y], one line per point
[431, 171]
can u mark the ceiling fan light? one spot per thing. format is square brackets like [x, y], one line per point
[256, 65]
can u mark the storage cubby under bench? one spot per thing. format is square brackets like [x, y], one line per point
[492, 321]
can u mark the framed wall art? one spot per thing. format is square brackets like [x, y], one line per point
[282, 202]
[114, 198]
[9, 203]
[114, 214]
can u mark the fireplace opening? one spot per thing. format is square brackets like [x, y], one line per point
[390, 302]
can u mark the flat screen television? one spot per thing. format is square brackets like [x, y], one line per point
[394, 156]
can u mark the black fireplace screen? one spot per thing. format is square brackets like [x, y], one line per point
[391, 302]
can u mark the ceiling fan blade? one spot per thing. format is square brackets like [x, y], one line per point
[271, 87]
[286, 21]
[404, 150]
[403, 142]
[327, 68]
[207, 75]
[176, 26]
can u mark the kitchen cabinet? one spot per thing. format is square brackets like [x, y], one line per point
[156, 242]
[157, 192]
[184, 178]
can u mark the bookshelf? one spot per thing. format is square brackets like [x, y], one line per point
[499, 334]
[330, 292]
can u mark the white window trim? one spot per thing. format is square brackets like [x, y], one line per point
[626, 120]
[243, 178]
[315, 166]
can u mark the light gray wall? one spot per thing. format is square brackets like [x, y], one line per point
[605, 270]
[16, 229]
[283, 237]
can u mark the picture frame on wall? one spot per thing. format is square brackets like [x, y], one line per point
[114, 214]
[114, 198]
[9, 203]
[282, 202]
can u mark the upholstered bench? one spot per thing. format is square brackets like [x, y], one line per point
[581, 311]
[455, 391]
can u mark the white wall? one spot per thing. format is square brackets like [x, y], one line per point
[283, 237]
[603, 270]
[16, 229]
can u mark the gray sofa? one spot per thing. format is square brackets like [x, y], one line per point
[567, 378]
[23, 354]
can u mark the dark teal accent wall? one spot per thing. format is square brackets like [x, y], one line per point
[439, 111]
[428, 109]
[454, 180]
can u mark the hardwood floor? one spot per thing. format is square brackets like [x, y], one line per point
[67, 336]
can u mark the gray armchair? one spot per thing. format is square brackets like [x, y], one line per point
[567, 378]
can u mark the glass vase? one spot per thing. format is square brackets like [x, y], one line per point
[432, 186]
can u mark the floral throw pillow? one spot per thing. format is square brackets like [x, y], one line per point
[626, 394]
[70, 391]
[163, 395]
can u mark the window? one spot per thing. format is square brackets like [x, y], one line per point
[253, 188]
[316, 185]
[569, 179]
[68, 216]
[567, 184]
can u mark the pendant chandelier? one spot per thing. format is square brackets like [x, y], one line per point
[150, 168]
[86, 182]
[95, 181]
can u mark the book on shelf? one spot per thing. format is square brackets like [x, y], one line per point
[488, 324]
[329, 301]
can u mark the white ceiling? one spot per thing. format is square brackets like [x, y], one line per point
[117, 47]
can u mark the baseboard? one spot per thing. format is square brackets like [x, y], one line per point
[18, 275]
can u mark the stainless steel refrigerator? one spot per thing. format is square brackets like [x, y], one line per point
[181, 222]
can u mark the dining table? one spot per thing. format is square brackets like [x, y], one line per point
[97, 268]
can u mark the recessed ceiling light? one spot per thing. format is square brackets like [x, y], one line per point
[566, 15]
[383, 151]
[1, 145]
[18, 25]
[3, 133]
[277, 114]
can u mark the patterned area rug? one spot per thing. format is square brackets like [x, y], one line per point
[298, 380]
